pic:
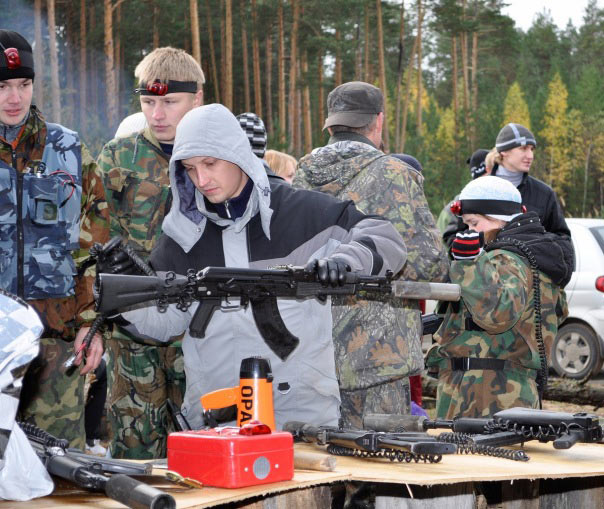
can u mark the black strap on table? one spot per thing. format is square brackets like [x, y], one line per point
[468, 363]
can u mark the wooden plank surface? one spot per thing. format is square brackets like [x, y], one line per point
[193, 498]
[546, 463]
[582, 460]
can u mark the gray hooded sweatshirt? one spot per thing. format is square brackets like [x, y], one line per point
[281, 225]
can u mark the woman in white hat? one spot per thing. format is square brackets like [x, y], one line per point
[492, 346]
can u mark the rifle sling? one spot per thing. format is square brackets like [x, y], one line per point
[270, 324]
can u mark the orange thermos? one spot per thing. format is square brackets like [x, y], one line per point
[253, 397]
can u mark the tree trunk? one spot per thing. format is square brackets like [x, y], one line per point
[298, 117]
[222, 51]
[117, 65]
[293, 77]
[337, 78]
[69, 68]
[155, 24]
[571, 391]
[55, 90]
[358, 53]
[464, 68]
[585, 177]
[256, 58]
[455, 101]
[109, 67]
[93, 60]
[268, 118]
[38, 51]
[320, 93]
[246, 70]
[281, 77]
[383, 84]
[215, 82]
[367, 47]
[408, 85]
[228, 57]
[186, 38]
[474, 87]
[195, 42]
[306, 106]
[399, 79]
[83, 65]
[419, 68]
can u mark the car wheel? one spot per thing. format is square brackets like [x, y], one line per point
[576, 352]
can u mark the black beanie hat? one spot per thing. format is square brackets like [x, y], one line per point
[477, 163]
[410, 160]
[512, 136]
[16, 56]
[254, 129]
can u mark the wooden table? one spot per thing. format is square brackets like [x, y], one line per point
[572, 478]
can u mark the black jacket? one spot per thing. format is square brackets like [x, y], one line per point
[549, 253]
[538, 197]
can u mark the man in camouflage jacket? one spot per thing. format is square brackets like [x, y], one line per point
[53, 209]
[377, 344]
[144, 373]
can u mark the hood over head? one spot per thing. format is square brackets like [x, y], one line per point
[212, 131]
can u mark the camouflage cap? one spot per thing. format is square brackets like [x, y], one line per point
[353, 104]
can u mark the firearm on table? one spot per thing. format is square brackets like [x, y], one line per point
[403, 447]
[261, 288]
[89, 472]
[507, 427]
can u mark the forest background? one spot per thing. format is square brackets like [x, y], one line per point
[453, 72]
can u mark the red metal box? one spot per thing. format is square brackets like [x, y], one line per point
[224, 458]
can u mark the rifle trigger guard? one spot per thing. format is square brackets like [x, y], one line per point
[227, 305]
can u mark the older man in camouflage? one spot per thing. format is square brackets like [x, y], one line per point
[143, 373]
[377, 344]
[52, 209]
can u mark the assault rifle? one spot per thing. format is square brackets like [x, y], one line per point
[89, 472]
[507, 427]
[403, 447]
[261, 288]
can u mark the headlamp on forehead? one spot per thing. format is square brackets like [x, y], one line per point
[161, 89]
[13, 59]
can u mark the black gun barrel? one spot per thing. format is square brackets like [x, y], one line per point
[136, 494]
[130, 492]
[402, 422]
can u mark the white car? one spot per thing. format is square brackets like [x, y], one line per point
[578, 350]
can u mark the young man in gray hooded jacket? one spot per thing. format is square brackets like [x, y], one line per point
[226, 213]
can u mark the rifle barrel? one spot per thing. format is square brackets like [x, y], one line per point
[426, 291]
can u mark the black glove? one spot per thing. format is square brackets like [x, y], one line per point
[330, 271]
[111, 258]
[467, 245]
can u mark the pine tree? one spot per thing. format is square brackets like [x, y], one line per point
[515, 108]
[555, 134]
